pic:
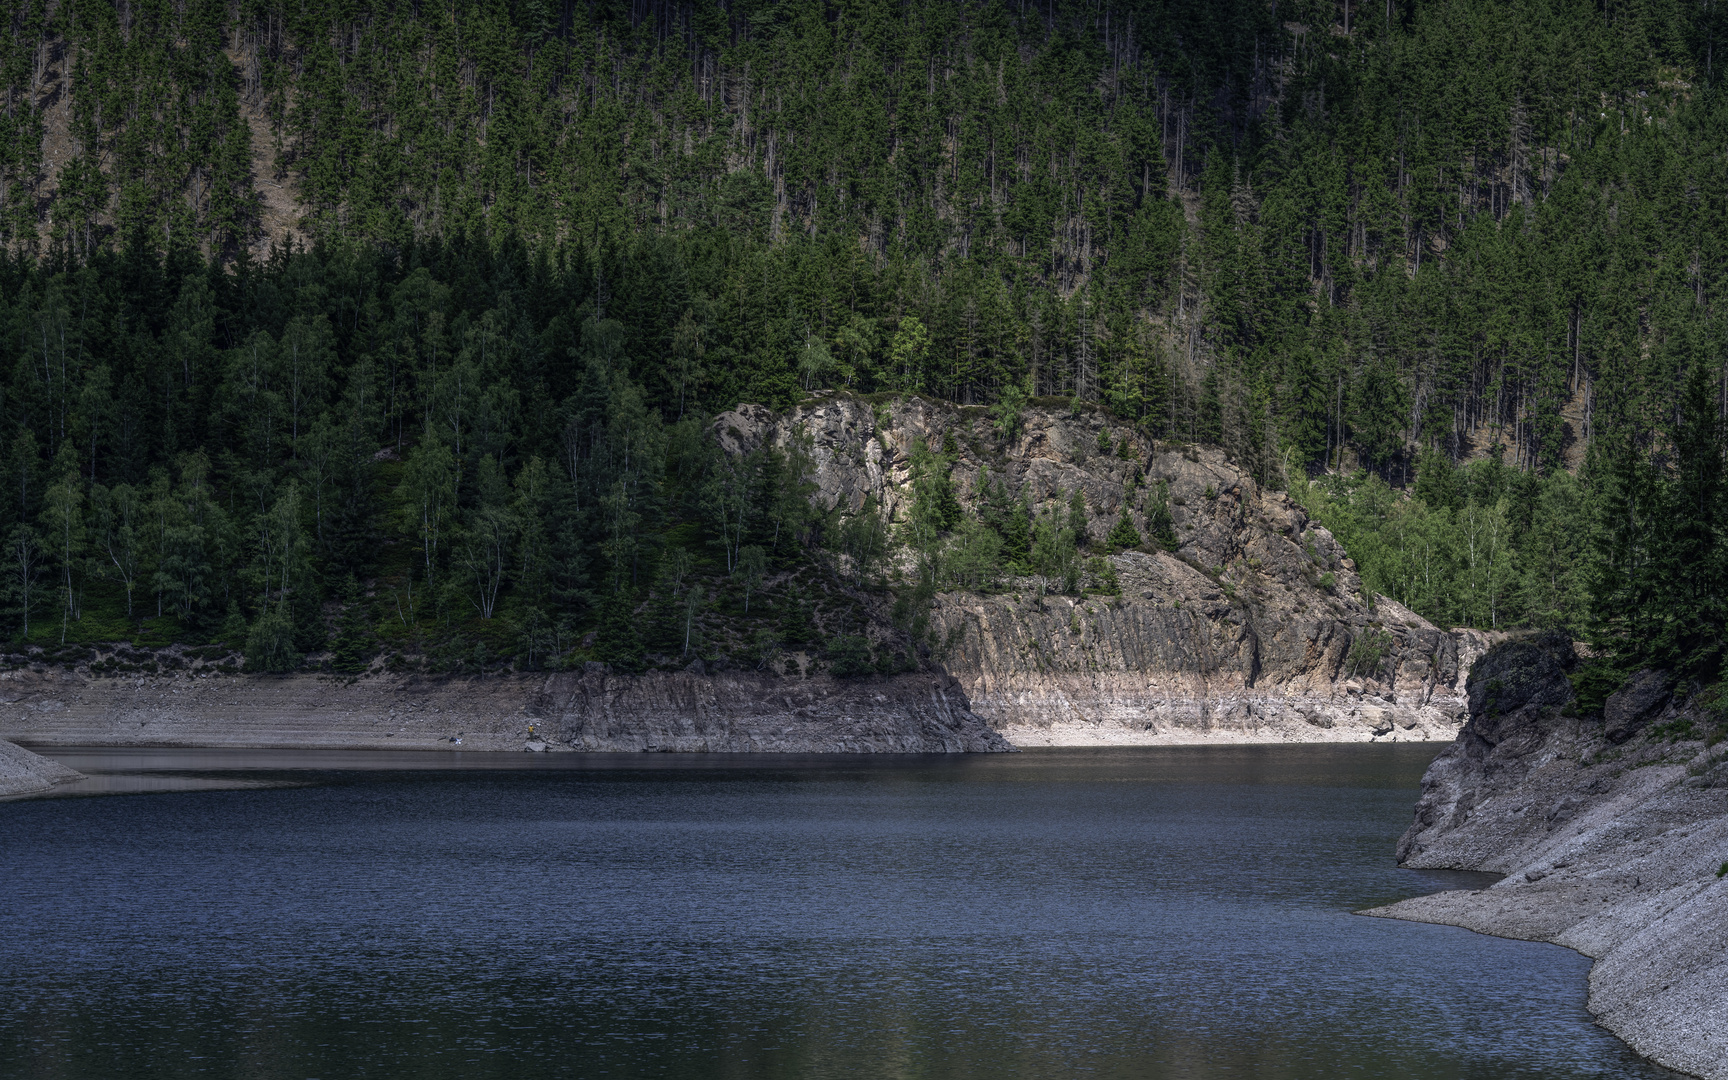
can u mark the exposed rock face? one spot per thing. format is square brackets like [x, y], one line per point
[24, 773]
[1244, 632]
[1610, 850]
[1631, 707]
[732, 712]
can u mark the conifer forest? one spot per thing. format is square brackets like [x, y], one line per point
[387, 329]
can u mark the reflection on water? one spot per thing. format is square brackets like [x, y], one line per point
[1171, 912]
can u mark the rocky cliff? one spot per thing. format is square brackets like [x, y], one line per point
[1244, 632]
[1612, 831]
[197, 704]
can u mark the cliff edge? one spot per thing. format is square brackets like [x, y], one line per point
[1612, 831]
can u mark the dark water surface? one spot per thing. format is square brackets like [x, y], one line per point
[1153, 913]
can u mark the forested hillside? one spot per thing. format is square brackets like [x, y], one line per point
[468, 277]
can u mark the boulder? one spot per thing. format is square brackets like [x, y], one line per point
[1632, 706]
[1518, 674]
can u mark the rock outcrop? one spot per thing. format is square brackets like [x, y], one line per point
[1245, 632]
[1613, 843]
[597, 711]
[24, 773]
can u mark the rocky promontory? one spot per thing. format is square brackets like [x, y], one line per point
[1253, 628]
[1612, 830]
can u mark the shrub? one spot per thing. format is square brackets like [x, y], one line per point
[1368, 652]
[849, 656]
[1677, 730]
[1592, 683]
[270, 645]
[1104, 576]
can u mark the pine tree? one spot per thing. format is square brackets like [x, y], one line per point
[1123, 534]
[617, 642]
[1683, 580]
[1160, 525]
[354, 645]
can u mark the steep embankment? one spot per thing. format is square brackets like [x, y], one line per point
[24, 773]
[673, 711]
[1242, 633]
[1611, 830]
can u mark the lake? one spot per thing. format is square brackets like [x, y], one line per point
[1148, 913]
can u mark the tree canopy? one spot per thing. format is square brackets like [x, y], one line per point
[284, 279]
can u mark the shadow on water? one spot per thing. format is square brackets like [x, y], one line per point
[1163, 912]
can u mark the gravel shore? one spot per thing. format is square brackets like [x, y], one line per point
[24, 773]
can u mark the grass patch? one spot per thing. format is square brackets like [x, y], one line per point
[1680, 729]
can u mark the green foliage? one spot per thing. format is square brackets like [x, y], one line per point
[1476, 564]
[935, 505]
[1123, 534]
[1077, 516]
[849, 656]
[1406, 250]
[752, 566]
[863, 539]
[1055, 555]
[1713, 701]
[1593, 683]
[797, 627]
[1103, 574]
[1680, 729]
[618, 641]
[1007, 412]
[973, 557]
[1368, 653]
[270, 645]
[354, 646]
[1659, 593]
[1160, 525]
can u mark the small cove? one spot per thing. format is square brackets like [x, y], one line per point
[1177, 912]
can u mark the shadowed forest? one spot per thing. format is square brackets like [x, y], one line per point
[385, 329]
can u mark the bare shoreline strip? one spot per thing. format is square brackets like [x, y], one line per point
[23, 773]
[1612, 831]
